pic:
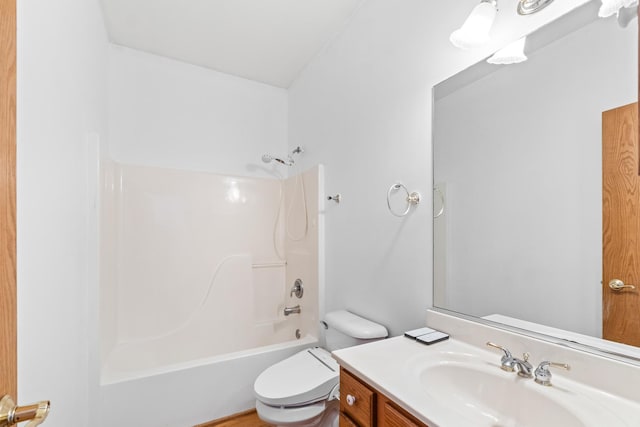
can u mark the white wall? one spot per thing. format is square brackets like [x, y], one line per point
[62, 54]
[363, 108]
[167, 113]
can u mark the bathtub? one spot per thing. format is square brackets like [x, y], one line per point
[192, 392]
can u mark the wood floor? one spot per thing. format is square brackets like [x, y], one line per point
[244, 419]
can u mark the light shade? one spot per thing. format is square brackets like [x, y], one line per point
[475, 30]
[611, 7]
[626, 15]
[511, 54]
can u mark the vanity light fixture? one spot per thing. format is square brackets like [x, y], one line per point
[612, 7]
[475, 30]
[512, 53]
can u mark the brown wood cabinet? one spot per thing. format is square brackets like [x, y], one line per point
[363, 406]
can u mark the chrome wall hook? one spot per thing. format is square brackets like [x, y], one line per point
[335, 198]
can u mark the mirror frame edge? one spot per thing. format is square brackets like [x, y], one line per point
[620, 357]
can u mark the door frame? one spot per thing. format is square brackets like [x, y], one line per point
[8, 310]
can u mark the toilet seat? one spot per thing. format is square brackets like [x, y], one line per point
[304, 378]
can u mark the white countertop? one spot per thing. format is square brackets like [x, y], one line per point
[393, 366]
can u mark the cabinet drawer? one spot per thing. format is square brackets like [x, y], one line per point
[394, 418]
[356, 400]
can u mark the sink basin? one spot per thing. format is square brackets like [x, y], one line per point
[486, 395]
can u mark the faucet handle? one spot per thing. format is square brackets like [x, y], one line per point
[507, 353]
[542, 374]
[297, 290]
[506, 363]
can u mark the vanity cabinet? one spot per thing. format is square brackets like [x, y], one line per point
[361, 405]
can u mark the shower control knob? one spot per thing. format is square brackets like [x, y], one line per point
[351, 400]
[298, 289]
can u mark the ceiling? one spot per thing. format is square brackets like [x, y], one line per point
[270, 41]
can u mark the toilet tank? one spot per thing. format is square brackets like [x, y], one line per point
[345, 329]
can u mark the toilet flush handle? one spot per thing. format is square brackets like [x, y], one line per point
[351, 400]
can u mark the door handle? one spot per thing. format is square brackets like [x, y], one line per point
[618, 285]
[11, 414]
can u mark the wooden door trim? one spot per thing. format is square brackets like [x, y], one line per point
[8, 330]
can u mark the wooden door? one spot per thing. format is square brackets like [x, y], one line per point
[621, 224]
[8, 372]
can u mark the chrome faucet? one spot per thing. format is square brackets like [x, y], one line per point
[523, 366]
[292, 310]
[513, 364]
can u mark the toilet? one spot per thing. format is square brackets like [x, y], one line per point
[303, 390]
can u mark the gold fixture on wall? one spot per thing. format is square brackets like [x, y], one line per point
[11, 414]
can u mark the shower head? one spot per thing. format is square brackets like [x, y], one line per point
[267, 158]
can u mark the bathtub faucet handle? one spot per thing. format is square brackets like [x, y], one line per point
[297, 290]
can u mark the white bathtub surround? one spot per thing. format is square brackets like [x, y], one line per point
[197, 269]
[596, 391]
[302, 219]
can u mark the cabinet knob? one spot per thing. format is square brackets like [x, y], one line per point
[351, 400]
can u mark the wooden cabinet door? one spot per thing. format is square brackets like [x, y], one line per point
[356, 400]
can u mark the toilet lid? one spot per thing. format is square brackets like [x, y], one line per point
[305, 377]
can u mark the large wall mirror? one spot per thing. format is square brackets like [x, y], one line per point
[518, 164]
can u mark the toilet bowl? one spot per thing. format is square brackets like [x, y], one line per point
[303, 390]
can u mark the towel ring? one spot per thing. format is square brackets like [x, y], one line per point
[441, 211]
[412, 199]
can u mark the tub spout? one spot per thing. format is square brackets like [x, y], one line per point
[292, 310]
